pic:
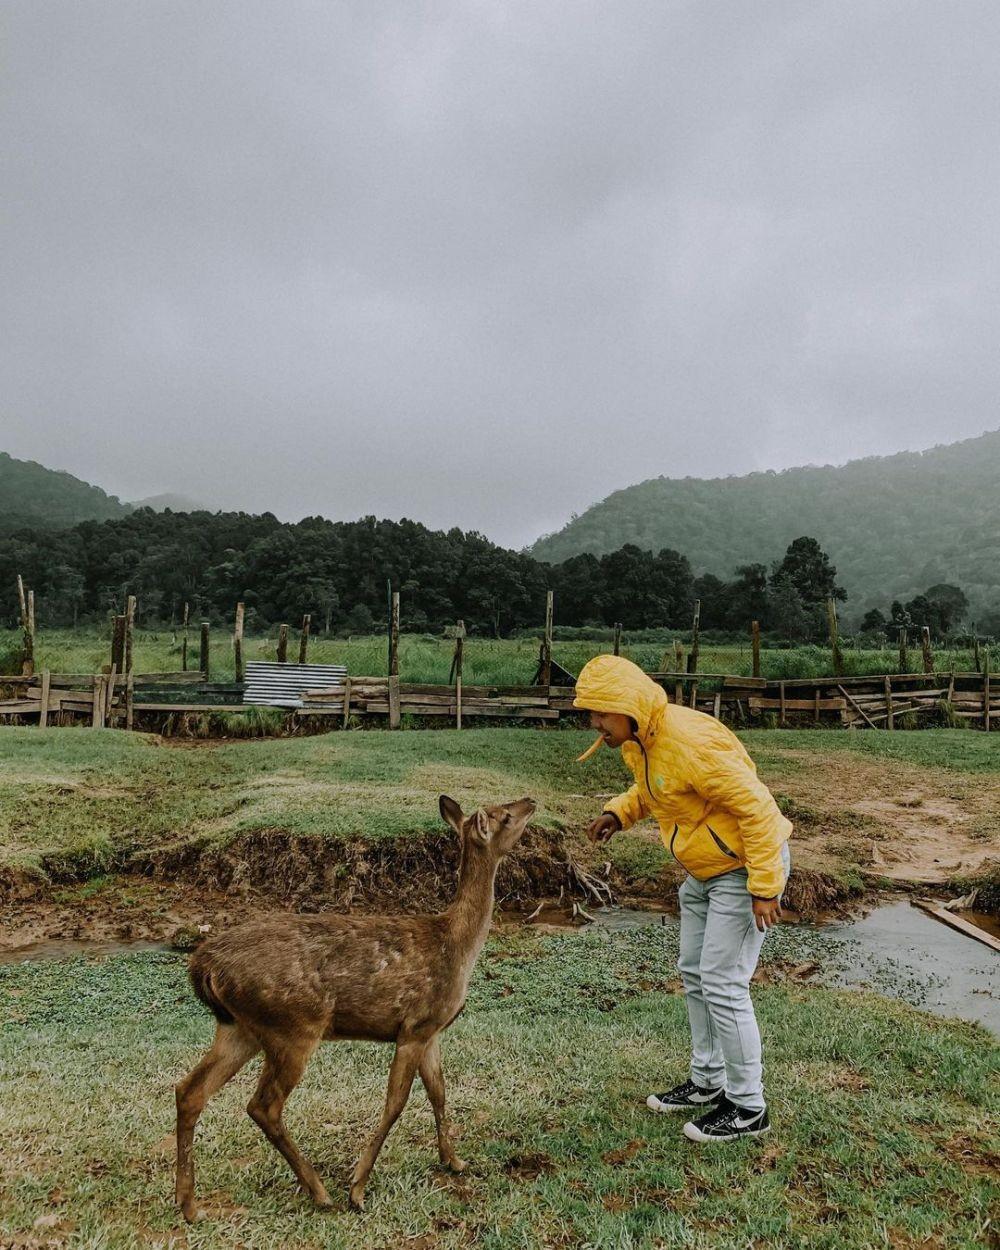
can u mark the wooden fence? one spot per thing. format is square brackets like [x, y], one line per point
[902, 700]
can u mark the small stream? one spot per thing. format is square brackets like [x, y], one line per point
[896, 950]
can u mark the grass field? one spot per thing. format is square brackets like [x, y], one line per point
[424, 659]
[884, 1119]
[76, 804]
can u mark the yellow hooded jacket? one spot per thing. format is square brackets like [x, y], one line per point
[694, 776]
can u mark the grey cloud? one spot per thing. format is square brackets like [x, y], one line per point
[480, 264]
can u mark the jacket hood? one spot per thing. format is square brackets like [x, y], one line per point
[610, 683]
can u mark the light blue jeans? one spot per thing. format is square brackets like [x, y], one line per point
[719, 948]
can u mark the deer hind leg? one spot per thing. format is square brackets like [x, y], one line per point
[284, 1063]
[232, 1048]
[401, 1074]
[432, 1077]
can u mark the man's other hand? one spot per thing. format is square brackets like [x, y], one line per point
[766, 912]
[603, 827]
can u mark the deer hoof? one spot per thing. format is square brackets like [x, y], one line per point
[455, 1164]
[192, 1212]
[358, 1197]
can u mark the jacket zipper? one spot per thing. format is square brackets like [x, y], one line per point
[720, 844]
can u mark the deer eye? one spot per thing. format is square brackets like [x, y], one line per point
[504, 818]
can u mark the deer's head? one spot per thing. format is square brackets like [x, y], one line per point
[492, 829]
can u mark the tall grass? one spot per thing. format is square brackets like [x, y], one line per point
[423, 658]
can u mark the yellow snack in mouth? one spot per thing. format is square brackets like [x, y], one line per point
[591, 750]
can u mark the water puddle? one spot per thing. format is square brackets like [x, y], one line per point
[71, 948]
[896, 950]
[900, 951]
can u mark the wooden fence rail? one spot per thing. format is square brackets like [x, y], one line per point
[910, 700]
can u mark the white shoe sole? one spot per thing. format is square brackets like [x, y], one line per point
[693, 1133]
[665, 1108]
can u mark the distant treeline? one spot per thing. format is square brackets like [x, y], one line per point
[339, 571]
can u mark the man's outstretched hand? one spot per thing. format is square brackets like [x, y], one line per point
[603, 827]
[766, 912]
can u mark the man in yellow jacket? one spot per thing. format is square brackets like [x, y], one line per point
[722, 825]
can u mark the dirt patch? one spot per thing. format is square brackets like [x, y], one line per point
[906, 824]
[528, 1167]
[971, 1156]
[177, 894]
[311, 872]
[925, 838]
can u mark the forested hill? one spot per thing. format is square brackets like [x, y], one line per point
[33, 496]
[891, 524]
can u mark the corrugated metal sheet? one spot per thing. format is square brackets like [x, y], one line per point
[281, 685]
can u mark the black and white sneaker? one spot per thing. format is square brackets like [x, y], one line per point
[727, 1122]
[684, 1097]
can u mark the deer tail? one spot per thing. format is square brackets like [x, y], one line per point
[205, 990]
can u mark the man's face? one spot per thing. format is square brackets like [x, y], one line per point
[615, 726]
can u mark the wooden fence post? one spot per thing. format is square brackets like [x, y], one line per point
[890, 716]
[184, 642]
[545, 667]
[347, 700]
[129, 627]
[755, 644]
[925, 647]
[459, 650]
[203, 659]
[118, 643]
[238, 642]
[831, 616]
[43, 711]
[986, 688]
[693, 653]
[26, 602]
[304, 637]
[129, 658]
[394, 701]
[394, 636]
[975, 653]
[282, 644]
[97, 714]
[783, 710]
[618, 638]
[904, 655]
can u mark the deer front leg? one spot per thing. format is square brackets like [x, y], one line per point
[432, 1076]
[401, 1074]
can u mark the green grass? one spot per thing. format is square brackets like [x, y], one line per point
[74, 802]
[884, 1119]
[425, 659]
[78, 801]
[956, 750]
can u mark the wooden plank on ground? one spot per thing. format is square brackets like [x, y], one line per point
[959, 923]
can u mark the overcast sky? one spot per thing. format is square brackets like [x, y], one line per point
[482, 263]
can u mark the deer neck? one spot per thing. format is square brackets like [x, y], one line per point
[472, 910]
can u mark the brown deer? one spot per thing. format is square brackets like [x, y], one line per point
[284, 984]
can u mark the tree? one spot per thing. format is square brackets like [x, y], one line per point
[788, 615]
[748, 596]
[873, 622]
[949, 605]
[807, 567]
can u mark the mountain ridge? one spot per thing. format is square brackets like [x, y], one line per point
[892, 524]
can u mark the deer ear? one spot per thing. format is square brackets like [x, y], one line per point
[451, 813]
